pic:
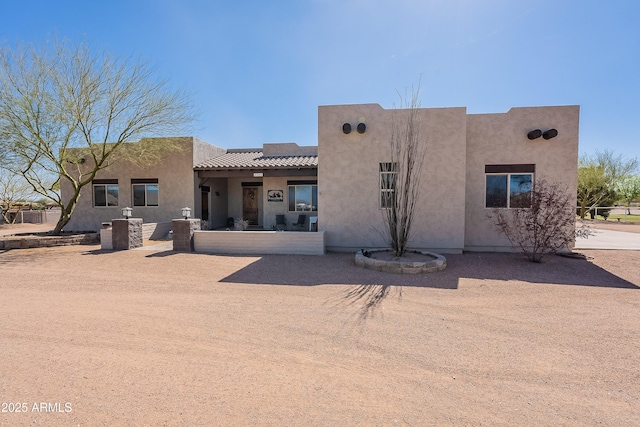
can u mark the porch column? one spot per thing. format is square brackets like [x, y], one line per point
[183, 234]
[126, 233]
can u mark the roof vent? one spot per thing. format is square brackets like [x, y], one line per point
[551, 133]
[534, 134]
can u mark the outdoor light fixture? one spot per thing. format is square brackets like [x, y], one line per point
[186, 213]
[126, 212]
[361, 127]
[551, 133]
[536, 133]
[346, 128]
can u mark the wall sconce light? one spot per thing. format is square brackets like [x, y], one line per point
[361, 127]
[186, 213]
[126, 212]
[346, 128]
[551, 133]
[536, 133]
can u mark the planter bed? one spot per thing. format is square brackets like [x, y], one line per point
[416, 262]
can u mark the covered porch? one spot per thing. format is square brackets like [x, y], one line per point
[274, 188]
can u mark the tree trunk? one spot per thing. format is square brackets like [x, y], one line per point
[66, 211]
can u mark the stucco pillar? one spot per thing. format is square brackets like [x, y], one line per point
[183, 234]
[126, 233]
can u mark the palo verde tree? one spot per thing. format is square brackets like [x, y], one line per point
[543, 226]
[628, 190]
[599, 176]
[66, 113]
[401, 177]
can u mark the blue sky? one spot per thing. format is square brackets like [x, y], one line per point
[259, 69]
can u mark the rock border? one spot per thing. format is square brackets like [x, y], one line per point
[438, 263]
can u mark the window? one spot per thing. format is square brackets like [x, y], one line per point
[105, 192]
[508, 190]
[303, 196]
[388, 178]
[145, 192]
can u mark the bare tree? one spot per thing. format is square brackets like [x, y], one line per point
[401, 177]
[14, 191]
[546, 226]
[66, 113]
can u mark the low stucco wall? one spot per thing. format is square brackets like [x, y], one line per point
[259, 242]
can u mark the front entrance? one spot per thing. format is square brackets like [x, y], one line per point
[250, 205]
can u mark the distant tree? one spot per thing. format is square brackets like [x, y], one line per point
[66, 113]
[598, 177]
[545, 227]
[628, 190]
[401, 177]
[13, 191]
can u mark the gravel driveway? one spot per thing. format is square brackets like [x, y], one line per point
[158, 338]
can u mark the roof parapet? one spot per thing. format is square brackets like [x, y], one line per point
[288, 149]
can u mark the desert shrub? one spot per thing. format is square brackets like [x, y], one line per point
[546, 227]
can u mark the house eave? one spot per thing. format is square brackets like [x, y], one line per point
[250, 172]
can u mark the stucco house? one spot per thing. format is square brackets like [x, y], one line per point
[473, 162]
[156, 193]
[467, 157]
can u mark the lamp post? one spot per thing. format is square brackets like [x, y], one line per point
[186, 213]
[126, 212]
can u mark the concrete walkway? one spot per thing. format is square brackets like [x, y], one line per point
[156, 246]
[607, 239]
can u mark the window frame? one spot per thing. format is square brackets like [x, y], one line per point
[508, 175]
[313, 188]
[146, 183]
[106, 183]
[387, 168]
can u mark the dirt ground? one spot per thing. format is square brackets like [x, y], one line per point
[147, 337]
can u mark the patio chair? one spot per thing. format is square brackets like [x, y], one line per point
[301, 221]
[281, 224]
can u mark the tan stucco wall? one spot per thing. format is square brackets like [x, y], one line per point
[271, 209]
[202, 151]
[176, 190]
[218, 201]
[348, 176]
[502, 139]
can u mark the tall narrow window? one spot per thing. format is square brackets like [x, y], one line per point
[145, 192]
[105, 192]
[388, 179]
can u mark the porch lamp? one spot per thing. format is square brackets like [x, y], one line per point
[186, 213]
[126, 212]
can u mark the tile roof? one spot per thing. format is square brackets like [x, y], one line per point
[256, 160]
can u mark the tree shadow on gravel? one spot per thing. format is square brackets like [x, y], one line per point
[367, 297]
[370, 288]
[339, 269]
